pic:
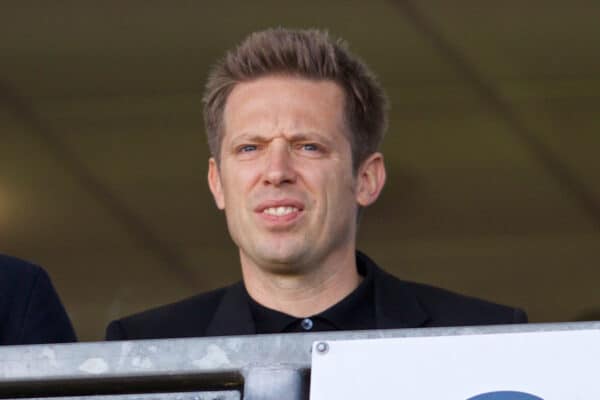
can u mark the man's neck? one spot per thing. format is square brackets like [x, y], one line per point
[306, 293]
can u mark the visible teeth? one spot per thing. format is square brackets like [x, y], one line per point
[279, 211]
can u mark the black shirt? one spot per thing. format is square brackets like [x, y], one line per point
[356, 311]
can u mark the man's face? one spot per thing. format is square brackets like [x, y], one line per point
[285, 177]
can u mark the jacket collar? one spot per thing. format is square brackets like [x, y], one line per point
[233, 315]
[396, 305]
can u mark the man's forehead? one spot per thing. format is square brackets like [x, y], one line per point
[298, 105]
[260, 88]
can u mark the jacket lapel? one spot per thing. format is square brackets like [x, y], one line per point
[396, 305]
[232, 316]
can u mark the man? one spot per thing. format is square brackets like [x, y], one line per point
[294, 122]
[30, 310]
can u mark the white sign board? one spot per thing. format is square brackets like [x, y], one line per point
[557, 365]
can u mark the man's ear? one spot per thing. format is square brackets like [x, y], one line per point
[370, 179]
[214, 183]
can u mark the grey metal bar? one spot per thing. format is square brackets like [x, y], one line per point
[218, 395]
[256, 365]
[275, 382]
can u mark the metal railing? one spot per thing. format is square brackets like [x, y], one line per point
[259, 367]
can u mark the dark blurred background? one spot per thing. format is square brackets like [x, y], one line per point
[492, 150]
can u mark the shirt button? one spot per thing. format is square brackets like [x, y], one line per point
[306, 324]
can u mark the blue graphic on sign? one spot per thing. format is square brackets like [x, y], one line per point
[505, 395]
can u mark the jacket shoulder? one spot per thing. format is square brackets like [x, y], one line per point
[17, 280]
[447, 308]
[186, 318]
[16, 270]
[412, 304]
[30, 309]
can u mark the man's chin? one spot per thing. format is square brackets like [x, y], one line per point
[284, 263]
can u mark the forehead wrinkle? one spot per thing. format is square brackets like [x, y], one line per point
[291, 137]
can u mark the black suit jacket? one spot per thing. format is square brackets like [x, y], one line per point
[398, 304]
[30, 310]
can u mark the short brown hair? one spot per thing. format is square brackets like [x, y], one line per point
[311, 54]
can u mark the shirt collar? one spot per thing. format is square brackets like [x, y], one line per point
[353, 312]
[395, 304]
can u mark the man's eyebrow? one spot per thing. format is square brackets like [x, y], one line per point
[250, 137]
[309, 136]
[294, 137]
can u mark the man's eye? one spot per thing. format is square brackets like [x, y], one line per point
[310, 147]
[247, 148]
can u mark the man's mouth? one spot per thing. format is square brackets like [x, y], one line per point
[280, 211]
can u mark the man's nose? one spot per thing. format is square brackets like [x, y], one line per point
[280, 164]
